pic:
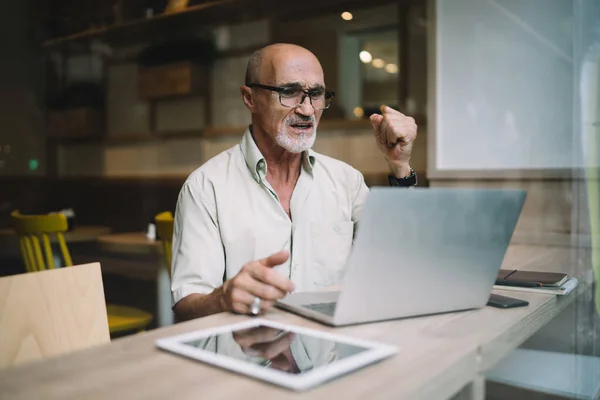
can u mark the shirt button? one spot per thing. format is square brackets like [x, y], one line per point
[337, 228]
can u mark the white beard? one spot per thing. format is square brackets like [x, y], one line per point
[296, 144]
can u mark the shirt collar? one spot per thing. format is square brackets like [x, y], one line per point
[257, 163]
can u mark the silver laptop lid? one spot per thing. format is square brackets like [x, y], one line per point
[426, 250]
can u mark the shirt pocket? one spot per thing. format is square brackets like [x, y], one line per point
[331, 246]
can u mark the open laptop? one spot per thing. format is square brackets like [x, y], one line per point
[417, 252]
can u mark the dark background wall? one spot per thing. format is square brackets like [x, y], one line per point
[21, 90]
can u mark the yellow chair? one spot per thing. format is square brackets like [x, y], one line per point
[164, 228]
[32, 228]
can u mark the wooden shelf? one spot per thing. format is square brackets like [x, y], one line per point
[208, 132]
[344, 124]
[206, 11]
[126, 137]
[324, 126]
[151, 136]
[371, 178]
[210, 14]
[74, 139]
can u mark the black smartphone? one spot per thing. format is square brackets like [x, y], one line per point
[505, 302]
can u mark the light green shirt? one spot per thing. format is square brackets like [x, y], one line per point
[228, 215]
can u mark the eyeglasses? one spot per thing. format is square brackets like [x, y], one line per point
[294, 96]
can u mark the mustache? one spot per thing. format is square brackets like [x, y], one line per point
[300, 120]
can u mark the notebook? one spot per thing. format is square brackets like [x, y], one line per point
[530, 278]
[568, 285]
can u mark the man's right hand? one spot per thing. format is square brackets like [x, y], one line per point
[270, 343]
[257, 279]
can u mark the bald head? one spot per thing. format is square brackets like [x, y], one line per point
[263, 62]
[282, 81]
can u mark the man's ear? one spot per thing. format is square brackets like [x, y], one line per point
[247, 97]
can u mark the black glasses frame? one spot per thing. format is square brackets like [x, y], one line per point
[329, 94]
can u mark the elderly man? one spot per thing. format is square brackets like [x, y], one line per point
[270, 216]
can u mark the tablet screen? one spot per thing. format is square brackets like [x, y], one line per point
[273, 348]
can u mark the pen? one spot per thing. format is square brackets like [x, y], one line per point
[511, 272]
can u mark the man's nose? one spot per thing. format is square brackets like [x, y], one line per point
[305, 108]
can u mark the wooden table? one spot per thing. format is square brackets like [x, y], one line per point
[136, 243]
[440, 355]
[552, 239]
[78, 235]
[130, 243]
[9, 243]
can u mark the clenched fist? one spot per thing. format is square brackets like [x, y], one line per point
[395, 134]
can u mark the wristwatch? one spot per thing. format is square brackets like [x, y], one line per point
[407, 181]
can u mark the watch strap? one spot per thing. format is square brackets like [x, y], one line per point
[407, 181]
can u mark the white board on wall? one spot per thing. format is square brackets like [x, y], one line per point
[504, 85]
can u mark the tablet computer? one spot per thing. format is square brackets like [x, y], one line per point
[294, 357]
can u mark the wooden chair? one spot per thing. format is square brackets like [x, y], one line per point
[32, 228]
[164, 227]
[48, 313]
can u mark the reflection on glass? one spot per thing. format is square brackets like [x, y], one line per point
[391, 68]
[277, 349]
[378, 63]
[365, 56]
[347, 16]
[379, 78]
[358, 112]
[355, 52]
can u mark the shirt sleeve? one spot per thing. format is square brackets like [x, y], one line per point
[198, 261]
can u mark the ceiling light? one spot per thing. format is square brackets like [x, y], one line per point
[378, 63]
[358, 112]
[365, 56]
[391, 68]
[347, 16]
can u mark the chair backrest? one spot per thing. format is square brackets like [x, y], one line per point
[35, 228]
[164, 228]
[49, 313]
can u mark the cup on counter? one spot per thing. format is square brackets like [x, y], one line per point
[151, 231]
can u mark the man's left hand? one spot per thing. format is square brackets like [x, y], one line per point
[395, 134]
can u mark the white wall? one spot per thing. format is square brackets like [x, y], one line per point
[504, 90]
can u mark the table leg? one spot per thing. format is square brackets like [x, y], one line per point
[163, 282]
[57, 260]
[475, 390]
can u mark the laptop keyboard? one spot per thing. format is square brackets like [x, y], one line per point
[324, 308]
